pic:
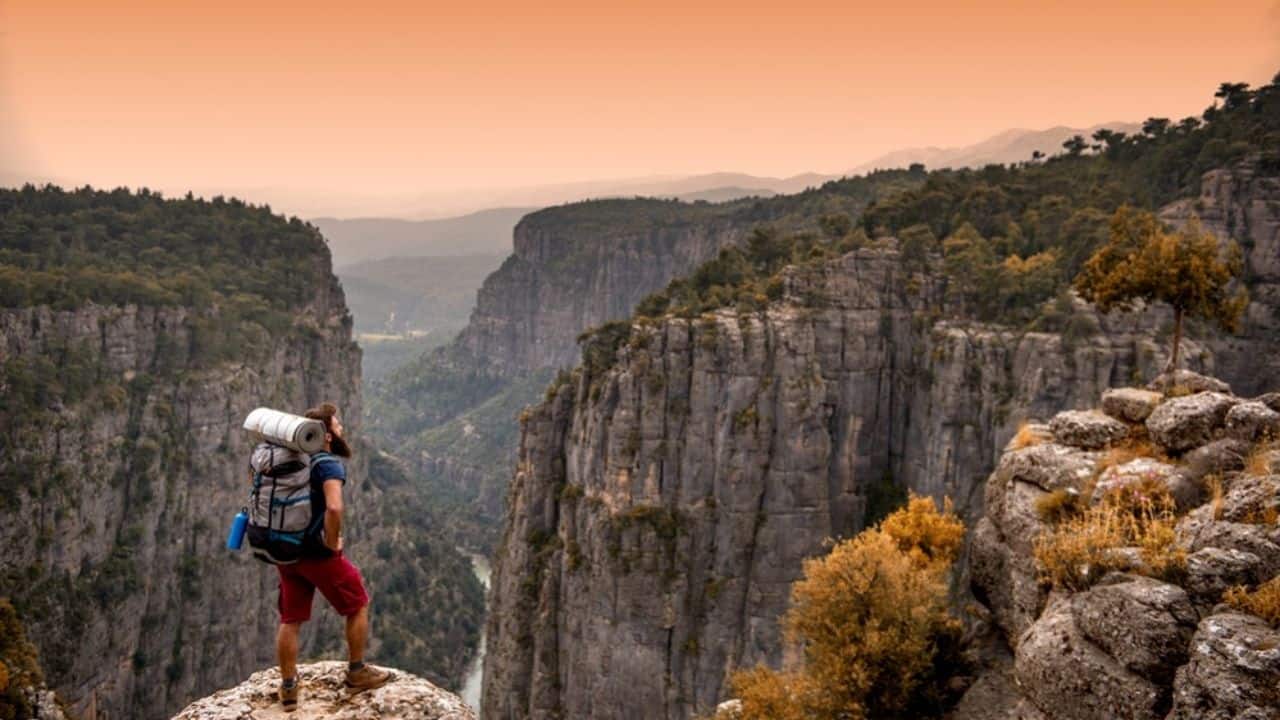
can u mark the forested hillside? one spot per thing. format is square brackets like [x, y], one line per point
[135, 334]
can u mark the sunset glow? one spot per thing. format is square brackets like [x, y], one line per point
[406, 97]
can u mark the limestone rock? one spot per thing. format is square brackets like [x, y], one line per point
[1212, 570]
[995, 696]
[1130, 404]
[1068, 677]
[1185, 492]
[1233, 673]
[1143, 623]
[1188, 381]
[1186, 422]
[323, 697]
[729, 710]
[1220, 456]
[1087, 429]
[1271, 400]
[1252, 421]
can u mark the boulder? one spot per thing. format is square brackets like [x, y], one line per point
[1068, 677]
[1143, 623]
[1183, 490]
[1258, 544]
[1048, 466]
[1187, 381]
[1252, 421]
[1251, 499]
[1212, 570]
[1131, 405]
[1271, 400]
[1187, 422]
[1233, 673]
[1218, 457]
[405, 697]
[1087, 429]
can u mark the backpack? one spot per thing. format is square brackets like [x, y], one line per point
[281, 522]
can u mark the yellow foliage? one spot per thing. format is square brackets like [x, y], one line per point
[1263, 602]
[873, 621]
[1081, 549]
[1059, 505]
[1026, 437]
[924, 533]
[1185, 269]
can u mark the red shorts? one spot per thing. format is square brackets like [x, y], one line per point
[336, 578]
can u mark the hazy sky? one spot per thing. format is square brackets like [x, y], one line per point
[395, 98]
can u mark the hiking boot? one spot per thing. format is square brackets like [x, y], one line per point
[366, 678]
[289, 697]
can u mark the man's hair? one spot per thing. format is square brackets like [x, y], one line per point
[325, 412]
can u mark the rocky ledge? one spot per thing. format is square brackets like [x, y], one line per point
[406, 697]
[1099, 623]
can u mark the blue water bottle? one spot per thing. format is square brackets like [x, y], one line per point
[235, 538]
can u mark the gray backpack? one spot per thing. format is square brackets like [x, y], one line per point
[281, 522]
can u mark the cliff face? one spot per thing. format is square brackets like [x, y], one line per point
[661, 508]
[117, 503]
[564, 278]
[1243, 202]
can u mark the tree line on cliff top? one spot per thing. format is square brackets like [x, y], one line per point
[1011, 237]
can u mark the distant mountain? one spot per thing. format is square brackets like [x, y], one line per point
[487, 232]
[1010, 146]
[725, 194]
[415, 294]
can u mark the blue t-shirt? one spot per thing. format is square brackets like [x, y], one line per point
[323, 467]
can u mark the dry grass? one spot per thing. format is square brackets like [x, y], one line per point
[1259, 460]
[1263, 602]
[1082, 548]
[1213, 486]
[1028, 435]
[1137, 445]
[1060, 505]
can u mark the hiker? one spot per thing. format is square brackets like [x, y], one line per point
[324, 567]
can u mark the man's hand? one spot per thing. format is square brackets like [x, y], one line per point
[334, 546]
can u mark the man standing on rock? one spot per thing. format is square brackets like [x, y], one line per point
[325, 568]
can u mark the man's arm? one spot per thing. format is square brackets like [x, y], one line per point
[333, 514]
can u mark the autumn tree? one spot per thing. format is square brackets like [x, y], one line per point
[1186, 269]
[19, 667]
[871, 618]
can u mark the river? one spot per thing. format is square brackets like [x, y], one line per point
[471, 686]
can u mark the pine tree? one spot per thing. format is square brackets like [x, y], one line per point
[1187, 270]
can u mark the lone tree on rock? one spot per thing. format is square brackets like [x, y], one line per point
[1186, 269]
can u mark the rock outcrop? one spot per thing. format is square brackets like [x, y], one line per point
[1133, 646]
[323, 697]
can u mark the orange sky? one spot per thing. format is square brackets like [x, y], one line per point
[395, 98]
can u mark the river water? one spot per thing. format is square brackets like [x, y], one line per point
[471, 686]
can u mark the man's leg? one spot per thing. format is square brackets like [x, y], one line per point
[296, 594]
[287, 649]
[343, 587]
[357, 634]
